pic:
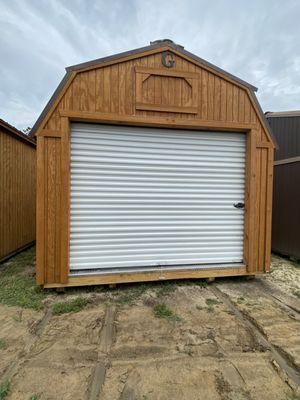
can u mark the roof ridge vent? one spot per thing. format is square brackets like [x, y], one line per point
[165, 41]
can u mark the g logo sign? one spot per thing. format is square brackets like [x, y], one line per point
[167, 59]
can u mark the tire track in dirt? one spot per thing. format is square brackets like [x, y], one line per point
[107, 336]
[284, 300]
[282, 362]
[35, 333]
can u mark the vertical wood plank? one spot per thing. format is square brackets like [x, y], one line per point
[204, 95]
[262, 207]
[106, 89]
[256, 214]
[217, 99]
[211, 83]
[58, 199]
[76, 93]
[247, 109]
[229, 101]
[250, 194]
[99, 90]
[91, 87]
[223, 108]
[129, 88]
[122, 88]
[270, 169]
[65, 201]
[114, 89]
[241, 116]
[235, 104]
[50, 209]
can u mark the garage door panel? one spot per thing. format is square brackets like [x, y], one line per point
[143, 198]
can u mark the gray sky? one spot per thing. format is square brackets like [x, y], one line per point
[257, 40]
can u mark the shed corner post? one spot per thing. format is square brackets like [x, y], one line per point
[269, 205]
[249, 232]
[65, 199]
[40, 211]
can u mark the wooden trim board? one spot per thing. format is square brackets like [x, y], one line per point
[287, 161]
[65, 200]
[150, 276]
[40, 211]
[173, 123]
[162, 108]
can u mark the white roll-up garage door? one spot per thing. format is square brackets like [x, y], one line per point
[148, 199]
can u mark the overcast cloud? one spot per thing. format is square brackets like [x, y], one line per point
[257, 40]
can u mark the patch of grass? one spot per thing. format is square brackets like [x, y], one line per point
[17, 284]
[294, 397]
[240, 299]
[194, 282]
[201, 283]
[4, 390]
[163, 311]
[212, 302]
[129, 294]
[296, 293]
[70, 306]
[3, 344]
[165, 288]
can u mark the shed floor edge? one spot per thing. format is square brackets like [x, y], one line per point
[151, 276]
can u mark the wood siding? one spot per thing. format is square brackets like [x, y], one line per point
[17, 194]
[109, 94]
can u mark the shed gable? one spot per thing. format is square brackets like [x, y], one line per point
[143, 87]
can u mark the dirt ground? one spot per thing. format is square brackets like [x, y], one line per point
[234, 339]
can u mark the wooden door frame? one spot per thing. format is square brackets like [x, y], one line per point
[68, 117]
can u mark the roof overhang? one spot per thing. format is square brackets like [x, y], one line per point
[11, 130]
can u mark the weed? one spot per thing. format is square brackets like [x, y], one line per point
[212, 302]
[129, 294]
[210, 309]
[4, 390]
[18, 317]
[294, 397]
[17, 288]
[240, 300]
[163, 311]
[296, 293]
[165, 288]
[34, 397]
[71, 306]
[3, 344]
[201, 283]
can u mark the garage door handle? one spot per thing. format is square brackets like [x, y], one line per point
[239, 205]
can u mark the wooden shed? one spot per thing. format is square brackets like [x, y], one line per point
[17, 190]
[286, 197]
[152, 164]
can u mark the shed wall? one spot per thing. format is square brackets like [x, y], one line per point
[286, 200]
[109, 94]
[286, 211]
[287, 133]
[17, 194]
